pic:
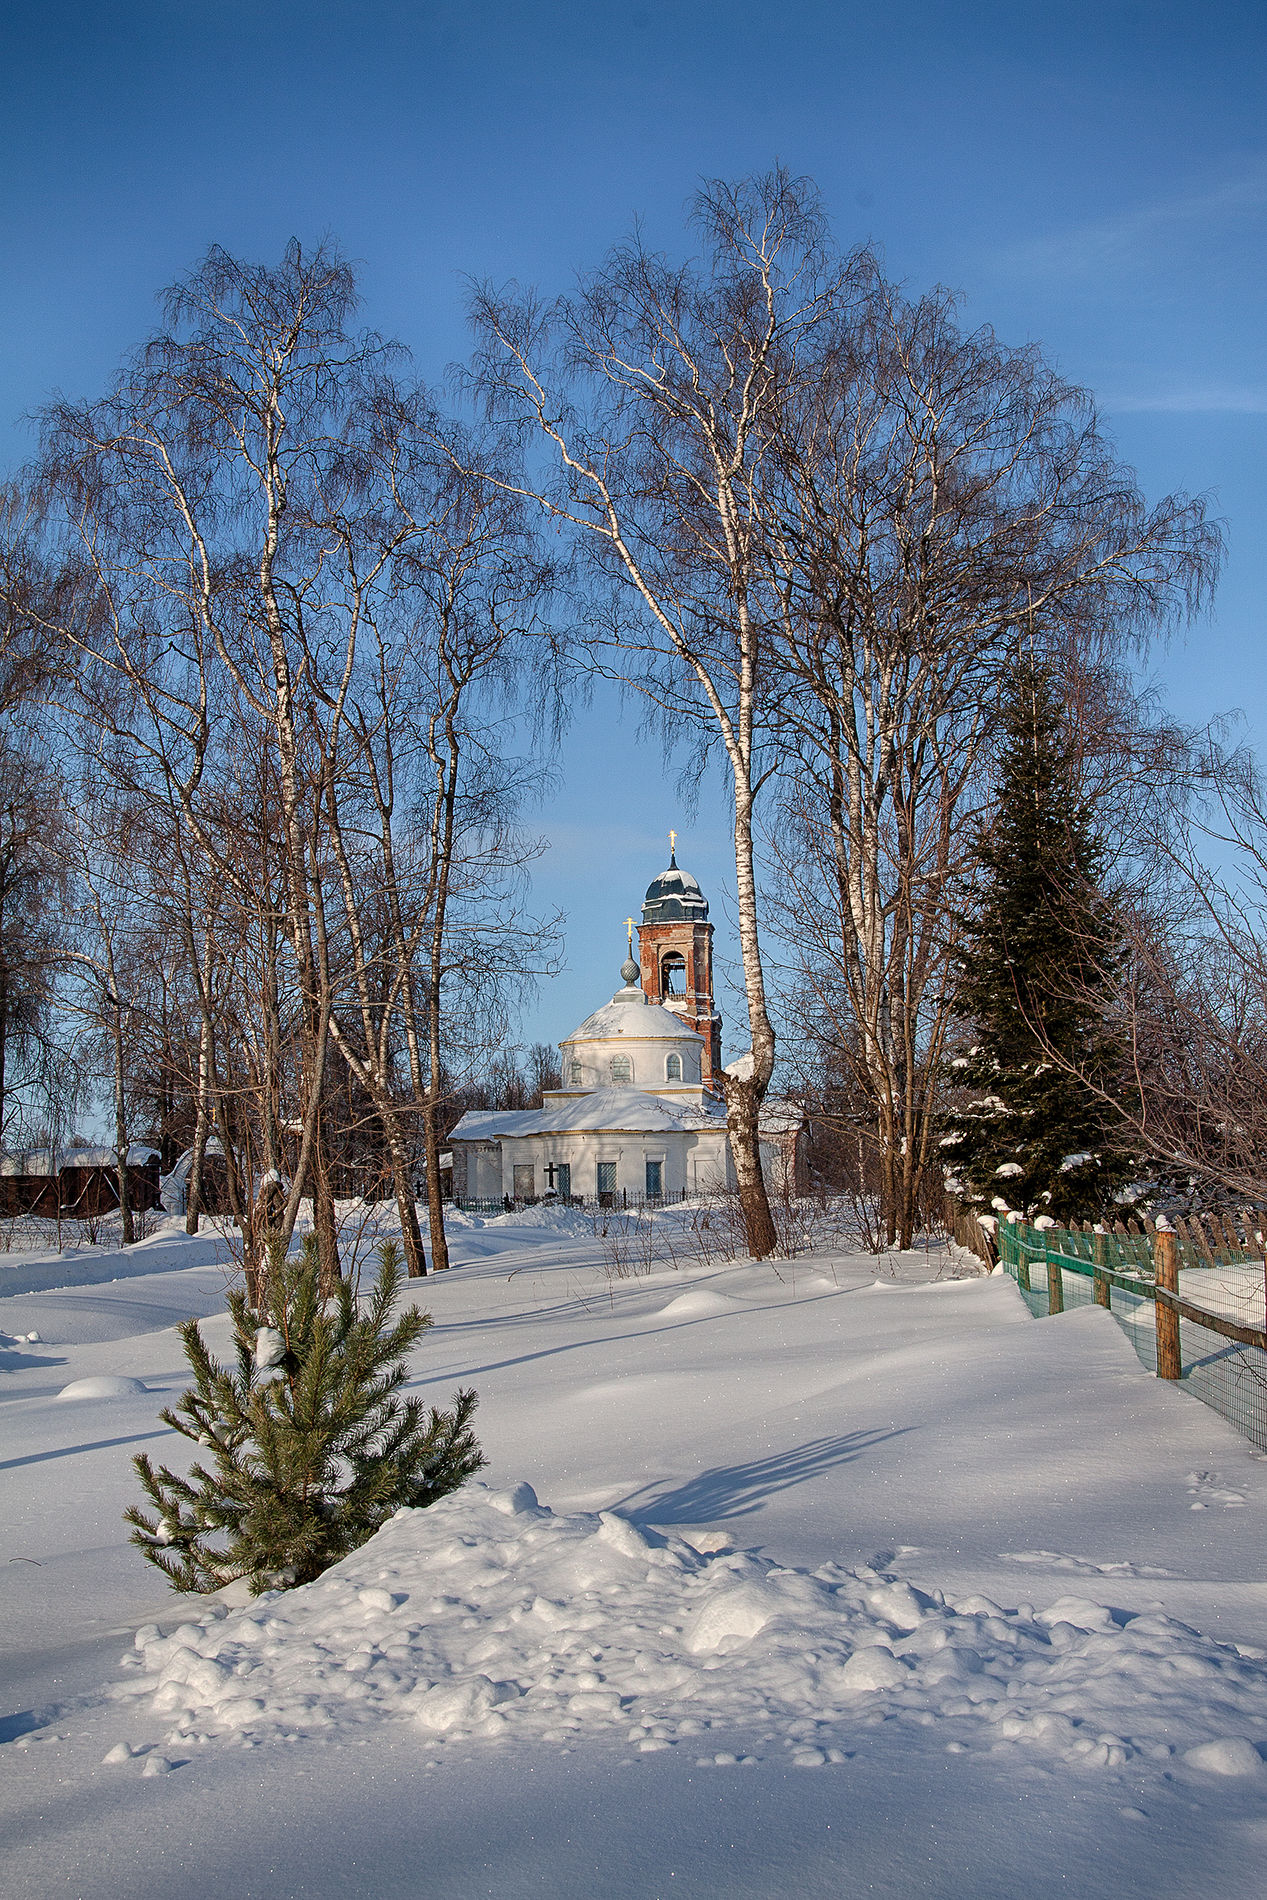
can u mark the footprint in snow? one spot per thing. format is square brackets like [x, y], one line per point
[1082, 1566]
[1208, 1491]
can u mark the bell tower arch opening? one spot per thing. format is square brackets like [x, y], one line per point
[675, 951]
[672, 974]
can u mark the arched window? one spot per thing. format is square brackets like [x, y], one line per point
[575, 1075]
[673, 1068]
[622, 1069]
[673, 974]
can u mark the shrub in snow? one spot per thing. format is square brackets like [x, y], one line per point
[311, 1447]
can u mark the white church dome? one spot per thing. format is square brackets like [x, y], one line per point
[631, 1042]
[629, 1014]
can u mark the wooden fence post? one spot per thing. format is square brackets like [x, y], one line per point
[1101, 1290]
[1166, 1271]
[1055, 1283]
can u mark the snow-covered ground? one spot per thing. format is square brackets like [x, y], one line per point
[833, 1577]
[1236, 1291]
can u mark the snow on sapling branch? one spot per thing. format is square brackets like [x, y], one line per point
[310, 1446]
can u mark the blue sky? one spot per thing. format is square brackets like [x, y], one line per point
[1090, 177]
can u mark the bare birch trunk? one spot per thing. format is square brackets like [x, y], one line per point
[744, 1094]
[431, 1146]
[406, 1204]
[198, 1153]
[126, 1226]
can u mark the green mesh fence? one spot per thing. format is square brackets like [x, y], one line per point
[1224, 1286]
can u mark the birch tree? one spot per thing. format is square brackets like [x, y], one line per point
[244, 521]
[206, 502]
[433, 793]
[942, 500]
[654, 389]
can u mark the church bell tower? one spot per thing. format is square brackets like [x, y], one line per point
[675, 950]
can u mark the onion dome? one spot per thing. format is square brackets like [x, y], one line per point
[674, 897]
[630, 973]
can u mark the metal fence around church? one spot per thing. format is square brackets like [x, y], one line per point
[621, 1201]
[1191, 1299]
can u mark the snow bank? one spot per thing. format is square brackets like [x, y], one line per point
[700, 1303]
[488, 1617]
[554, 1215]
[167, 1250]
[103, 1385]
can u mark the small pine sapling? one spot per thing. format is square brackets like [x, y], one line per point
[311, 1447]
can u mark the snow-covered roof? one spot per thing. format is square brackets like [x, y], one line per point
[672, 896]
[41, 1160]
[628, 1110]
[214, 1152]
[630, 1015]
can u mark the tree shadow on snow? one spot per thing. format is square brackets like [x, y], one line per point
[13, 1359]
[73, 1451]
[738, 1490]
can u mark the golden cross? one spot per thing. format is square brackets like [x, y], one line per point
[629, 927]
[672, 843]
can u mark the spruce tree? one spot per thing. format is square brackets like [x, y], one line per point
[311, 1448]
[1036, 971]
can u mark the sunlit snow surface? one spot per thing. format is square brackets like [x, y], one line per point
[1002, 1592]
[490, 1616]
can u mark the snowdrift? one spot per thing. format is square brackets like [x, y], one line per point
[490, 1617]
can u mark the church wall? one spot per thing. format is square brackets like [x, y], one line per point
[784, 1162]
[582, 1152]
[707, 1167]
[647, 1057]
[477, 1170]
[689, 1162]
[693, 1161]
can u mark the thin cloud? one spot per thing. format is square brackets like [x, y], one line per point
[1191, 401]
[1135, 233]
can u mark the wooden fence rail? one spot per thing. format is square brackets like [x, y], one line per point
[1141, 1263]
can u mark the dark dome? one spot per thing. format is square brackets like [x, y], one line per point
[673, 896]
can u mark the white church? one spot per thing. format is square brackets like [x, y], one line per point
[640, 1116]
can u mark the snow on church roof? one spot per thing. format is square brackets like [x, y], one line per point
[626, 1110]
[672, 896]
[630, 1014]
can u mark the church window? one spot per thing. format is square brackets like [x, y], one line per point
[622, 1070]
[575, 1075]
[606, 1183]
[673, 1069]
[655, 1180]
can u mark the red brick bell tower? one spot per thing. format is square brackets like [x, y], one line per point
[675, 950]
